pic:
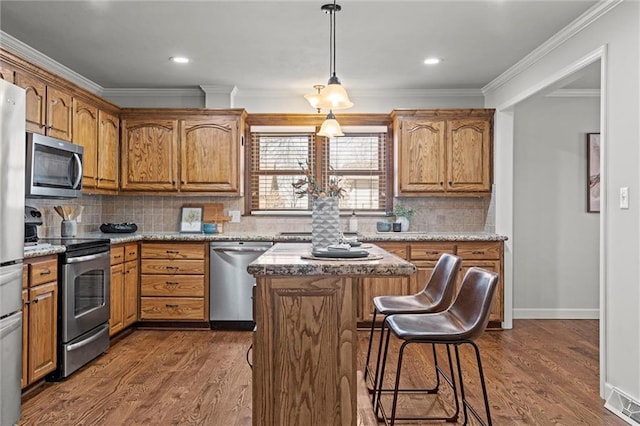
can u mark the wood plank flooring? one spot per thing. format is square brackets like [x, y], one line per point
[543, 372]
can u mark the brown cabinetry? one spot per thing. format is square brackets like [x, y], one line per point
[49, 109]
[97, 132]
[124, 287]
[424, 255]
[182, 150]
[173, 277]
[7, 73]
[443, 151]
[40, 318]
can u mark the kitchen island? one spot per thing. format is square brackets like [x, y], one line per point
[304, 351]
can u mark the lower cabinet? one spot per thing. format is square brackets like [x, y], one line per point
[40, 318]
[173, 279]
[124, 287]
[424, 255]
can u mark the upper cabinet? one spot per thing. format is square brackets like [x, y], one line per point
[209, 153]
[443, 152]
[149, 154]
[7, 73]
[49, 109]
[183, 150]
[98, 133]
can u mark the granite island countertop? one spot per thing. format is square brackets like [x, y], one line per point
[293, 259]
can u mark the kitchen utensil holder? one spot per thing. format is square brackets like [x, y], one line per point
[69, 228]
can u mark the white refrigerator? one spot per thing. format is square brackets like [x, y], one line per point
[12, 177]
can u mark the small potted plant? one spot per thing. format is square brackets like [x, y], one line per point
[403, 214]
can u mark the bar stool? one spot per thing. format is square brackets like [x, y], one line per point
[462, 323]
[436, 296]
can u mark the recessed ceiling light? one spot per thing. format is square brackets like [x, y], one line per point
[179, 59]
[432, 61]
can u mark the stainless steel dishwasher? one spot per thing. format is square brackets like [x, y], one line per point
[231, 286]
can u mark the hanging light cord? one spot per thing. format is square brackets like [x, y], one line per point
[333, 34]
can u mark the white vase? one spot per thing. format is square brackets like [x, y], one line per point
[325, 222]
[404, 223]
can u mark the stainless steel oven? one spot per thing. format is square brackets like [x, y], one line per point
[84, 306]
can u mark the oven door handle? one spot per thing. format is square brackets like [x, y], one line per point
[97, 335]
[88, 257]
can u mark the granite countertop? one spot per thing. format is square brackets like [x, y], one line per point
[270, 236]
[290, 259]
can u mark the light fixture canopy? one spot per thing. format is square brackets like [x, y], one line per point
[333, 96]
[330, 127]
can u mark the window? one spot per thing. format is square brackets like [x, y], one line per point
[358, 159]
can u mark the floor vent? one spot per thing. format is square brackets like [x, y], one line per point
[624, 406]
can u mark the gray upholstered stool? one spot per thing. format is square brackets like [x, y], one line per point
[461, 324]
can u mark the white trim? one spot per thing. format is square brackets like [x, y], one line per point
[27, 52]
[557, 76]
[556, 313]
[365, 93]
[580, 23]
[575, 93]
[152, 93]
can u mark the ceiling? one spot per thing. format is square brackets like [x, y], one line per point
[285, 45]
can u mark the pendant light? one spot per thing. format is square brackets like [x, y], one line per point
[333, 96]
[330, 127]
[314, 98]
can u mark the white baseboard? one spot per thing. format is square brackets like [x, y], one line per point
[556, 313]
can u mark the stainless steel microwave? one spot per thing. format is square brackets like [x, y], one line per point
[53, 168]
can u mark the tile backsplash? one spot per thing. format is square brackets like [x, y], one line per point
[161, 213]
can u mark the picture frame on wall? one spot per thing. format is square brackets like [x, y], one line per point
[593, 172]
[191, 219]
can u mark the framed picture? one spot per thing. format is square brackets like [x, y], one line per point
[593, 172]
[191, 219]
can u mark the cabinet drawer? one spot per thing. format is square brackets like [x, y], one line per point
[399, 249]
[150, 266]
[431, 251]
[172, 285]
[171, 308]
[173, 251]
[43, 272]
[479, 250]
[117, 254]
[130, 252]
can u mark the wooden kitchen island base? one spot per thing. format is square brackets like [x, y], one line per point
[304, 354]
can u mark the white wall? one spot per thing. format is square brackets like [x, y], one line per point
[617, 34]
[555, 241]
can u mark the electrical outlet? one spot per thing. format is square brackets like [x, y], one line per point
[79, 218]
[624, 197]
[235, 216]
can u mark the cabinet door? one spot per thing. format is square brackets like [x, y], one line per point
[24, 381]
[117, 291]
[130, 292]
[497, 312]
[85, 133]
[210, 155]
[108, 151]
[36, 96]
[7, 73]
[149, 155]
[43, 317]
[59, 114]
[421, 156]
[469, 155]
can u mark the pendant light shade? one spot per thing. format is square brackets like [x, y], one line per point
[334, 96]
[314, 98]
[330, 128]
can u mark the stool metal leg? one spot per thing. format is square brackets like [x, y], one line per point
[465, 404]
[367, 371]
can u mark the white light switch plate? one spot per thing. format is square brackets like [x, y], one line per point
[235, 216]
[624, 197]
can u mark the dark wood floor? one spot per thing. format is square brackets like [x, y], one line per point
[543, 372]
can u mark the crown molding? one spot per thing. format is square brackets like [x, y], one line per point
[575, 93]
[366, 93]
[30, 54]
[151, 93]
[580, 23]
